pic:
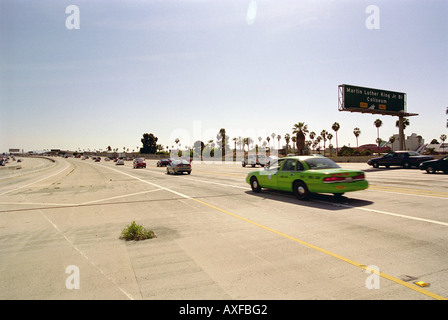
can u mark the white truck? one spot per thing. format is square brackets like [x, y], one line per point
[253, 160]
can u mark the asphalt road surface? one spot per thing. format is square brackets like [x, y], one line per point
[60, 224]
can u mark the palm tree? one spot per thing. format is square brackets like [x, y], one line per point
[287, 138]
[378, 123]
[248, 141]
[312, 135]
[222, 134]
[268, 139]
[308, 144]
[300, 129]
[335, 128]
[273, 137]
[356, 132]
[405, 123]
[278, 139]
[330, 136]
[294, 139]
[443, 138]
[324, 134]
[391, 141]
[318, 140]
[234, 148]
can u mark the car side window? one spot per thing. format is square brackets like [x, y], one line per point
[290, 165]
[299, 166]
[276, 164]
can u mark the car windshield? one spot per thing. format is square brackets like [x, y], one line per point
[321, 163]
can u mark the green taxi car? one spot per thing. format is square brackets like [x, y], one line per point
[304, 175]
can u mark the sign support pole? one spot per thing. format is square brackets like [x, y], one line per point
[401, 132]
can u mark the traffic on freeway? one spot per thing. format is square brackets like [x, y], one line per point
[217, 237]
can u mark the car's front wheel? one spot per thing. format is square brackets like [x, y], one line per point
[375, 165]
[254, 184]
[301, 190]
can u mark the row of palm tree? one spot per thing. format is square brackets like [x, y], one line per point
[298, 137]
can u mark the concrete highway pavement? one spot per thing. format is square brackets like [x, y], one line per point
[216, 239]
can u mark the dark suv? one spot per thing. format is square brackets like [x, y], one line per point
[405, 159]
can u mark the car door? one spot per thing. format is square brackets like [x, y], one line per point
[286, 175]
[395, 159]
[268, 176]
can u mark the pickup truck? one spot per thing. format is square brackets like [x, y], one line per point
[405, 159]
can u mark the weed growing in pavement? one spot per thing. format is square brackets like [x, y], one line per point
[136, 232]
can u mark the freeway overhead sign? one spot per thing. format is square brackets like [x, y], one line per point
[368, 100]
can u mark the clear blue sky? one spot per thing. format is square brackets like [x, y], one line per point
[188, 68]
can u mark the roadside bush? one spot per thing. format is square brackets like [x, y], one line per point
[367, 152]
[346, 151]
[136, 232]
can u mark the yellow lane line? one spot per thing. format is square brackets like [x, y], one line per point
[334, 255]
[354, 263]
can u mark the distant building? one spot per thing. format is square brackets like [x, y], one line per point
[412, 142]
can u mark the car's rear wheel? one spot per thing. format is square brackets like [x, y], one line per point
[407, 165]
[255, 185]
[301, 190]
[375, 165]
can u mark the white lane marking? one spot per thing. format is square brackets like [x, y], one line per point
[86, 257]
[330, 203]
[44, 178]
[118, 197]
[198, 180]
[386, 213]
[42, 203]
[150, 183]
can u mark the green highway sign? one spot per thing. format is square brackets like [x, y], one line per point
[360, 99]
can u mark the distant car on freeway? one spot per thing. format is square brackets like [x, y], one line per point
[163, 162]
[119, 162]
[405, 159]
[305, 175]
[178, 166]
[432, 166]
[139, 163]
